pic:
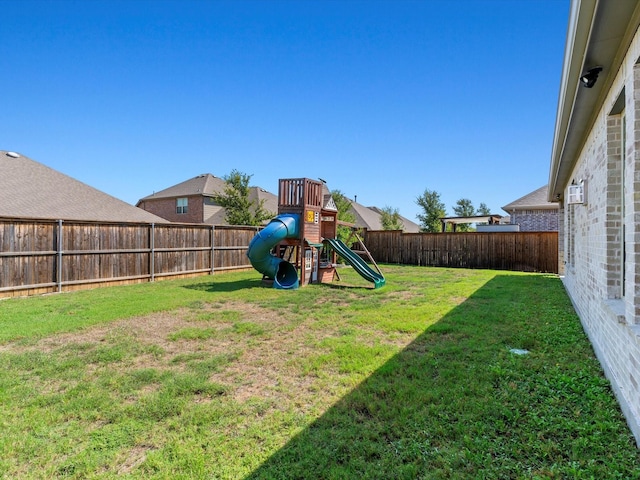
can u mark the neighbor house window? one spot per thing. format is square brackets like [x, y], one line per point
[181, 205]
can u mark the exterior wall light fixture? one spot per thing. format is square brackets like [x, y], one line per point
[589, 78]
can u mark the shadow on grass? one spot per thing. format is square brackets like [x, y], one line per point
[232, 286]
[347, 286]
[225, 286]
[456, 403]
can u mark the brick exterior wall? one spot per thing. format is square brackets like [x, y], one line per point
[166, 208]
[536, 220]
[599, 248]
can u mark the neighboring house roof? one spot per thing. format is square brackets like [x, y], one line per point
[270, 200]
[255, 194]
[597, 31]
[536, 200]
[371, 218]
[366, 217]
[409, 226]
[29, 189]
[205, 184]
[208, 185]
[218, 217]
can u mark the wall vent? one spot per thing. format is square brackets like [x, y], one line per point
[576, 194]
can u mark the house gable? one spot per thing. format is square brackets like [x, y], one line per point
[205, 184]
[536, 200]
[199, 192]
[330, 204]
[533, 212]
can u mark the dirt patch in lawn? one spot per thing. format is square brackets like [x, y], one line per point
[268, 359]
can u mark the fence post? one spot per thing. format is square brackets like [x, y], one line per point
[213, 246]
[59, 257]
[152, 254]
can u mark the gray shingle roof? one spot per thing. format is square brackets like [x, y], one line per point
[29, 189]
[208, 185]
[258, 194]
[370, 218]
[536, 200]
[366, 217]
[218, 217]
[205, 184]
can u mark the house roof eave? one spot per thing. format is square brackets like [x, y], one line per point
[515, 208]
[599, 33]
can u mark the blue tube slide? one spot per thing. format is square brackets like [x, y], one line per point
[283, 273]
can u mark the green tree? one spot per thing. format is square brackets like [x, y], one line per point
[483, 209]
[433, 210]
[239, 208]
[464, 208]
[390, 219]
[343, 204]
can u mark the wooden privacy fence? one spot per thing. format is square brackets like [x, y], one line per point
[518, 251]
[41, 256]
[44, 256]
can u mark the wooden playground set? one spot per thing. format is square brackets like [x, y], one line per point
[300, 245]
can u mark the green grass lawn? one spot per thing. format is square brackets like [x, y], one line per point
[221, 378]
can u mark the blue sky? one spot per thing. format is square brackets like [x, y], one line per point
[383, 99]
